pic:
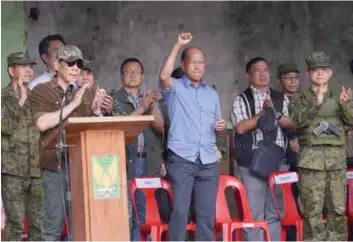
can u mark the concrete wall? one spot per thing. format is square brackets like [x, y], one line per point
[231, 33]
[13, 34]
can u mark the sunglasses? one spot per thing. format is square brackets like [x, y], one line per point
[79, 63]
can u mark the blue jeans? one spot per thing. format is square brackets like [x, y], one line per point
[55, 205]
[140, 170]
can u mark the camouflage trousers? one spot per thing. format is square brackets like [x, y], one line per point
[319, 187]
[22, 195]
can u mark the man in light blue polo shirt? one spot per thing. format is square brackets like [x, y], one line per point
[195, 118]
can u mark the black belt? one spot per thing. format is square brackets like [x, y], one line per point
[141, 155]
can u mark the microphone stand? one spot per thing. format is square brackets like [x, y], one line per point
[62, 148]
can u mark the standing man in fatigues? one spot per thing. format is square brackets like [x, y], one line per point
[349, 135]
[349, 148]
[288, 75]
[319, 116]
[21, 183]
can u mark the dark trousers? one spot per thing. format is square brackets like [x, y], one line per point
[350, 166]
[202, 180]
[140, 199]
[292, 231]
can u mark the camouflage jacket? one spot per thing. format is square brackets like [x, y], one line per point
[303, 111]
[19, 137]
[349, 143]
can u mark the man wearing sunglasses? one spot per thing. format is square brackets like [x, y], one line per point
[45, 107]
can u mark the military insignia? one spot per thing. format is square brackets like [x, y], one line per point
[105, 175]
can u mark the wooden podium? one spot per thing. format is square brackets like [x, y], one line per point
[98, 174]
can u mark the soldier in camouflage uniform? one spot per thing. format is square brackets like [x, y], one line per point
[349, 147]
[21, 181]
[349, 134]
[322, 157]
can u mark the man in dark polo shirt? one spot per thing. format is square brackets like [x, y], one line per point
[195, 117]
[45, 108]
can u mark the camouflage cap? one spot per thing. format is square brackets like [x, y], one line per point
[317, 59]
[69, 53]
[19, 58]
[87, 66]
[287, 68]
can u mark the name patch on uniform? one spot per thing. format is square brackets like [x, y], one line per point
[286, 178]
[148, 182]
[349, 174]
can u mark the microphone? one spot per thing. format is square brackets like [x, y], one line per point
[70, 89]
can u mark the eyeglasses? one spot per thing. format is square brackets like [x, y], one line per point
[132, 73]
[79, 63]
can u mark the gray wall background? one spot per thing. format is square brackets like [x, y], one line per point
[230, 33]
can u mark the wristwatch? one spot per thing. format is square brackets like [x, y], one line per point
[97, 113]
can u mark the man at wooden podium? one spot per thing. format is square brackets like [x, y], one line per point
[144, 155]
[195, 118]
[45, 107]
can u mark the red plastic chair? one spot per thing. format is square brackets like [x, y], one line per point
[3, 218]
[153, 224]
[291, 216]
[64, 232]
[24, 235]
[349, 210]
[224, 222]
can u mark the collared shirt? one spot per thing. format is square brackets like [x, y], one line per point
[239, 113]
[47, 98]
[193, 113]
[45, 77]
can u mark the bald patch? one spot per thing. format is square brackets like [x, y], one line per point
[190, 51]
